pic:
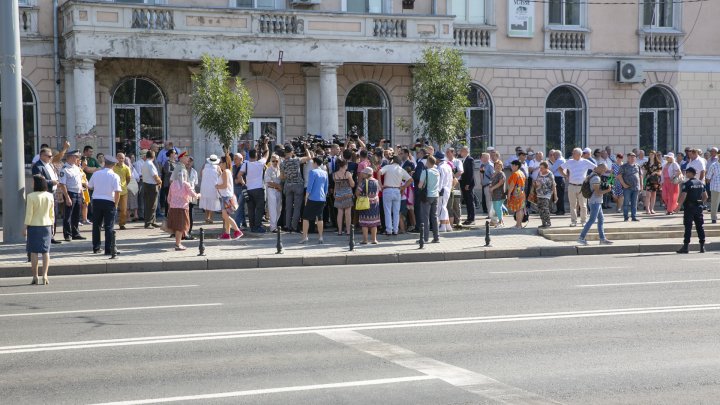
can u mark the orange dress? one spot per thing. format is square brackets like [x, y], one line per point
[516, 191]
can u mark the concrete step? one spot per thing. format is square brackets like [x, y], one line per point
[571, 236]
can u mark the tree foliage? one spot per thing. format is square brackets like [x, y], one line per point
[439, 93]
[221, 110]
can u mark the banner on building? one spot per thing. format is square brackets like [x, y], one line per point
[521, 18]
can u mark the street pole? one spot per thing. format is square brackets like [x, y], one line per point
[12, 123]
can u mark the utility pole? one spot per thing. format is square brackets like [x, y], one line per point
[12, 124]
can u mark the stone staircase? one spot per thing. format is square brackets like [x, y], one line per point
[616, 231]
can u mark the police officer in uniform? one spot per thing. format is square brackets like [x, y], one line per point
[692, 199]
[106, 188]
[70, 183]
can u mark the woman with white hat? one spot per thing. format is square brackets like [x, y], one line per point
[671, 179]
[210, 200]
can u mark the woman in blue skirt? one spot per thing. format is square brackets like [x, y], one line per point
[39, 218]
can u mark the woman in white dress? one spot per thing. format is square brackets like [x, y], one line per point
[209, 198]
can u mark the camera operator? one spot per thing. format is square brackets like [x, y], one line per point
[599, 189]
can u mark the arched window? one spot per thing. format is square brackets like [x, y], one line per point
[564, 120]
[480, 134]
[30, 119]
[366, 107]
[658, 120]
[138, 109]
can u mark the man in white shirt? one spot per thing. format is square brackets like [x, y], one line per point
[444, 187]
[713, 181]
[105, 184]
[697, 162]
[138, 165]
[534, 165]
[254, 171]
[393, 186]
[151, 189]
[575, 170]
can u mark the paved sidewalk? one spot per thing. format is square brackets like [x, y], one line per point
[152, 250]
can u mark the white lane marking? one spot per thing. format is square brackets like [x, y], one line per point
[551, 270]
[467, 380]
[704, 259]
[361, 383]
[707, 280]
[101, 290]
[83, 311]
[41, 347]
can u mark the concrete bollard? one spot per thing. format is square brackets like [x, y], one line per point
[487, 234]
[351, 242]
[113, 245]
[201, 247]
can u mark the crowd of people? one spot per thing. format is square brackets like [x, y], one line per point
[309, 184]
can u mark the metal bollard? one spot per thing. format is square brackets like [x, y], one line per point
[421, 241]
[113, 245]
[352, 238]
[279, 242]
[202, 242]
[487, 234]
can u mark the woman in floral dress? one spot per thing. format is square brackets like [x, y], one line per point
[516, 193]
[370, 218]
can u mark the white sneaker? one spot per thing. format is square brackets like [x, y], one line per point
[581, 241]
[303, 241]
[572, 224]
[606, 242]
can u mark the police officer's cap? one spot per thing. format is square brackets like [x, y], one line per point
[110, 159]
[74, 153]
[691, 170]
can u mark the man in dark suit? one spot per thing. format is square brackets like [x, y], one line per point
[419, 168]
[44, 167]
[467, 184]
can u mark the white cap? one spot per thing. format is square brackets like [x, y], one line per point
[587, 150]
[669, 155]
[213, 160]
[490, 149]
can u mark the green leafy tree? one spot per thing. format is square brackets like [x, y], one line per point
[439, 93]
[222, 110]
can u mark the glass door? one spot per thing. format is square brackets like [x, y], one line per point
[356, 118]
[126, 130]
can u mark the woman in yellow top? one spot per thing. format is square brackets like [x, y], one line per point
[516, 193]
[39, 218]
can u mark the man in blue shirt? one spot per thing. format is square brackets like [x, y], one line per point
[315, 197]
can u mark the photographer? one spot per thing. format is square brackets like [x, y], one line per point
[254, 171]
[599, 189]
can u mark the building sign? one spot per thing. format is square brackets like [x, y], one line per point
[521, 18]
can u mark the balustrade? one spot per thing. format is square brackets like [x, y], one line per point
[472, 37]
[390, 28]
[281, 24]
[154, 19]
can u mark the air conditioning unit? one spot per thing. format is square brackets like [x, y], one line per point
[304, 2]
[629, 72]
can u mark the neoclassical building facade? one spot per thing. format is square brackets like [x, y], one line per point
[547, 75]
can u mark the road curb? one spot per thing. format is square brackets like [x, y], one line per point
[349, 258]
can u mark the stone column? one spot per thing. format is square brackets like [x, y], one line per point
[312, 99]
[11, 119]
[84, 100]
[328, 99]
[69, 86]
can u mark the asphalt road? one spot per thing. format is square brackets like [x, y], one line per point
[572, 330]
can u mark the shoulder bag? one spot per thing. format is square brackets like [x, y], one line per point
[363, 202]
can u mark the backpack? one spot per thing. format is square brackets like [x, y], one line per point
[586, 190]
